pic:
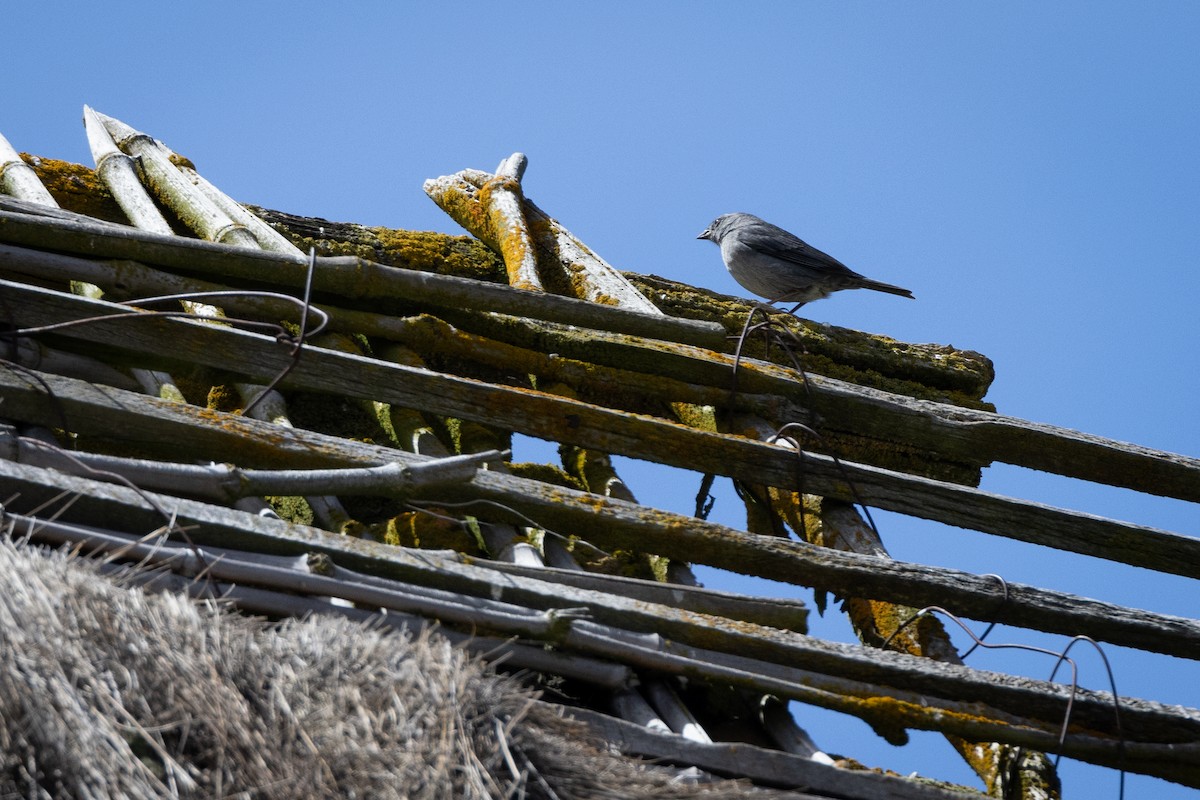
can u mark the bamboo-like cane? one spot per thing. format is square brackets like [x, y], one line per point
[173, 189]
[18, 178]
[119, 174]
[209, 217]
[268, 238]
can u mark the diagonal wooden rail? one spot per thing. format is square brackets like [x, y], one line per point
[165, 430]
[151, 341]
[957, 433]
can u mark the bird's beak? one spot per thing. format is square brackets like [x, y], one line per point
[703, 235]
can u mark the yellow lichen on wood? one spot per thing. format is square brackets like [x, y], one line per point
[501, 197]
[76, 188]
[933, 372]
[426, 251]
[837, 525]
[491, 211]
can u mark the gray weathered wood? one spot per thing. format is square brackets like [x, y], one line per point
[1169, 751]
[957, 433]
[373, 285]
[770, 767]
[924, 694]
[656, 629]
[791, 615]
[164, 428]
[154, 340]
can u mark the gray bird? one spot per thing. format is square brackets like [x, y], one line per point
[774, 264]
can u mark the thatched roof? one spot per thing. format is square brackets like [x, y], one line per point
[374, 481]
[107, 691]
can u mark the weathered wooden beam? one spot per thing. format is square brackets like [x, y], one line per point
[673, 630]
[370, 285]
[967, 715]
[955, 433]
[158, 429]
[171, 342]
[769, 767]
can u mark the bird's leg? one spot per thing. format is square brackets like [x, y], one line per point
[796, 307]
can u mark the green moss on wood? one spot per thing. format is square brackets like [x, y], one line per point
[927, 371]
[292, 509]
[546, 473]
[426, 251]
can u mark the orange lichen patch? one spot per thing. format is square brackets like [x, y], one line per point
[504, 232]
[465, 203]
[76, 188]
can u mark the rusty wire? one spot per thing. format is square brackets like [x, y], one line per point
[281, 333]
[299, 340]
[1061, 656]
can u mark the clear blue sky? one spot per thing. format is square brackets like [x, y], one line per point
[1029, 170]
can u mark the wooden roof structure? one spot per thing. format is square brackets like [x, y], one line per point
[305, 417]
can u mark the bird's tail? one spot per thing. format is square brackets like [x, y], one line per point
[878, 286]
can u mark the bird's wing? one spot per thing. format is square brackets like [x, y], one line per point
[776, 242]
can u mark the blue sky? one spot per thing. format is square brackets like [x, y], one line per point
[1029, 170]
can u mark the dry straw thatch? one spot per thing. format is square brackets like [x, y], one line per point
[111, 691]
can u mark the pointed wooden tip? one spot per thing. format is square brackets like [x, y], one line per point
[100, 141]
[7, 153]
[119, 131]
